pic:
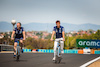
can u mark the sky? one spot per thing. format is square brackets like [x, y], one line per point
[48, 11]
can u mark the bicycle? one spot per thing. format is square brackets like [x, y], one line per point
[17, 50]
[58, 53]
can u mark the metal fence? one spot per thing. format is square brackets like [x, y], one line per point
[4, 47]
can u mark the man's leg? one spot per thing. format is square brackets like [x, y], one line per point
[62, 46]
[15, 45]
[21, 43]
[55, 47]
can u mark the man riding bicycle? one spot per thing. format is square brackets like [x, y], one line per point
[19, 34]
[60, 36]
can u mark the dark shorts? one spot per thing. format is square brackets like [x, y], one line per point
[16, 39]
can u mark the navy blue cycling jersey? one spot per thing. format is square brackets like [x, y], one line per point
[19, 33]
[58, 31]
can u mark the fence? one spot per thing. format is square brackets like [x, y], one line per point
[4, 47]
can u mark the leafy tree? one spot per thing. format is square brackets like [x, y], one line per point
[96, 35]
[29, 47]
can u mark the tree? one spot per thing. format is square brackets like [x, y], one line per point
[96, 35]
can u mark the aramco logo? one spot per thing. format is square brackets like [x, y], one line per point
[88, 43]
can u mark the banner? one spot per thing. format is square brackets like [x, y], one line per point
[88, 43]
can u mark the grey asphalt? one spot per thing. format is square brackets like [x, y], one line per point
[44, 60]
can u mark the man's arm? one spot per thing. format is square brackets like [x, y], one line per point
[24, 35]
[63, 33]
[52, 35]
[12, 36]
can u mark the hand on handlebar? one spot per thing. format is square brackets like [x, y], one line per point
[12, 38]
[63, 39]
[24, 38]
[51, 39]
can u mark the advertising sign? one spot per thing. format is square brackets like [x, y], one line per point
[88, 43]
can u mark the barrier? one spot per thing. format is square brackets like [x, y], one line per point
[92, 51]
[71, 51]
[4, 47]
[52, 51]
[34, 50]
[97, 52]
[46, 50]
[80, 51]
[65, 51]
[27, 50]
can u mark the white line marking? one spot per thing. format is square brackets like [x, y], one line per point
[88, 63]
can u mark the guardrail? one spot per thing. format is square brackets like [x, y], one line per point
[74, 51]
[52, 51]
[46, 50]
[27, 50]
[97, 52]
[4, 47]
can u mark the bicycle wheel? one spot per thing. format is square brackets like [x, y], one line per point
[17, 57]
[56, 60]
[59, 59]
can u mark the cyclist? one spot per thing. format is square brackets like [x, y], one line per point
[19, 34]
[60, 35]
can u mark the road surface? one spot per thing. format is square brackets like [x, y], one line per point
[44, 60]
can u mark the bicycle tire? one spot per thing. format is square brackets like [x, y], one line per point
[59, 59]
[17, 58]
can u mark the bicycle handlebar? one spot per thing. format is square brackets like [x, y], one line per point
[18, 39]
[58, 40]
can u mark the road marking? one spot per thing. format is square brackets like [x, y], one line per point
[88, 63]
